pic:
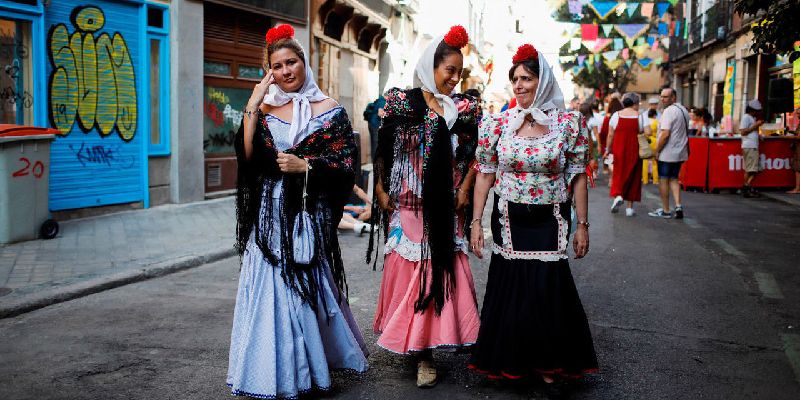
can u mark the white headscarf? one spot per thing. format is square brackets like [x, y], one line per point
[548, 97]
[301, 107]
[423, 78]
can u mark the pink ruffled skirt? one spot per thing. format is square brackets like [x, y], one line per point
[403, 331]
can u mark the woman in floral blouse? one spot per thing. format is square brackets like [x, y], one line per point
[425, 148]
[535, 156]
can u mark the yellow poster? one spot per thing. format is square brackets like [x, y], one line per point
[727, 99]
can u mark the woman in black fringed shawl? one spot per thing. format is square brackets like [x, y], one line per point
[425, 148]
[291, 323]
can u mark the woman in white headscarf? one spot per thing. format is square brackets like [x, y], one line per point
[534, 156]
[296, 153]
[426, 146]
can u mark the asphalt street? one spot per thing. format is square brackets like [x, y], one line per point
[704, 308]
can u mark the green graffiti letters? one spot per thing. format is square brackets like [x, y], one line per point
[93, 79]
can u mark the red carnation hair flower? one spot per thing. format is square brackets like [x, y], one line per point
[457, 37]
[284, 31]
[525, 52]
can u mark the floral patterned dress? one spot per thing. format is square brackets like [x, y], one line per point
[532, 321]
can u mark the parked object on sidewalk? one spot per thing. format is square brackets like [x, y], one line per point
[24, 177]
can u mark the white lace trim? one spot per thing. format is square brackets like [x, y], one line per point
[507, 249]
[529, 255]
[412, 251]
[487, 169]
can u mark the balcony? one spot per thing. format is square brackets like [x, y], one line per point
[705, 29]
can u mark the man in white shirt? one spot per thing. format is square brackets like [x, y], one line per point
[672, 149]
[748, 129]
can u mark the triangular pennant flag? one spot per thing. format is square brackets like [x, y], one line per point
[566, 59]
[575, 44]
[581, 59]
[645, 63]
[647, 10]
[618, 44]
[631, 9]
[590, 67]
[678, 28]
[632, 31]
[662, 9]
[626, 54]
[686, 32]
[659, 61]
[663, 29]
[575, 7]
[601, 44]
[630, 42]
[640, 41]
[650, 40]
[614, 64]
[665, 42]
[655, 46]
[589, 44]
[673, 2]
[640, 51]
[603, 8]
[628, 63]
[588, 31]
[607, 28]
[611, 55]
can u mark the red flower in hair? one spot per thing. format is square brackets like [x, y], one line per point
[457, 37]
[284, 31]
[525, 52]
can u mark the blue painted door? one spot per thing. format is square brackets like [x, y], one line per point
[94, 93]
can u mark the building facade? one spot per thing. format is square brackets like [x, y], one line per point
[714, 66]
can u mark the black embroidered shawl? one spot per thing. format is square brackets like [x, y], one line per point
[331, 153]
[411, 129]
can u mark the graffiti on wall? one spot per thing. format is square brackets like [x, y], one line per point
[222, 117]
[93, 79]
[14, 97]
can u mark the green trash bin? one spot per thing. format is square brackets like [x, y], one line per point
[24, 177]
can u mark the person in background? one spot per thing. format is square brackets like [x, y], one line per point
[748, 129]
[796, 153]
[649, 166]
[613, 106]
[355, 216]
[475, 93]
[491, 109]
[672, 149]
[373, 114]
[652, 104]
[700, 120]
[623, 141]
[574, 104]
[587, 110]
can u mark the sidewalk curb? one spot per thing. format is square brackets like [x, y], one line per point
[80, 289]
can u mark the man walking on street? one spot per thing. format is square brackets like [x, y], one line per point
[748, 129]
[672, 149]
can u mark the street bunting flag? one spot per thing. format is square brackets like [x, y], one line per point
[601, 44]
[645, 63]
[631, 9]
[640, 41]
[632, 31]
[566, 59]
[607, 29]
[641, 51]
[663, 29]
[575, 44]
[673, 2]
[630, 42]
[575, 7]
[647, 10]
[618, 44]
[614, 64]
[662, 9]
[659, 60]
[665, 42]
[581, 59]
[588, 31]
[650, 40]
[590, 67]
[611, 55]
[626, 54]
[678, 28]
[603, 8]
[628, 63]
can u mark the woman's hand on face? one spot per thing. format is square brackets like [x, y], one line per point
[580, 241]
[291, 164]
[261, 90]
[384, 202]
[462, 199]
[476, 240]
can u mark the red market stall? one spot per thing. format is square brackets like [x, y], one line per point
[717, 163]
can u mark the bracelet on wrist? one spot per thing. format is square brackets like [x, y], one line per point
[474, 221]
[584, 223]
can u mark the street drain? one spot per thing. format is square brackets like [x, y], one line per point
[4, 291]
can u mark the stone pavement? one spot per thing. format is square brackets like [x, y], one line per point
[97, 253]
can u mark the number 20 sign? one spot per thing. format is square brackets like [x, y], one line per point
[36, 168]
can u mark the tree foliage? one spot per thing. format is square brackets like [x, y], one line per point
[776, 28]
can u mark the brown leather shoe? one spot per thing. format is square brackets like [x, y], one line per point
[426, 374]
